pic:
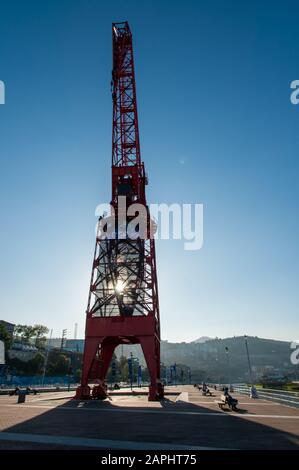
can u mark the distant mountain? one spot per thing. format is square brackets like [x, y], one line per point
[224, 359]
[202, 339]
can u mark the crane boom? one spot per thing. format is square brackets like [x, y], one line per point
[125, 141]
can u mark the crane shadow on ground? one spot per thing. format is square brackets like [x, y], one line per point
[167, 421]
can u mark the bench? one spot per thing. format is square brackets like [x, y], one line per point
[224, 401]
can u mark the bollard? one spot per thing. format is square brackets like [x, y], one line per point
[21, 396]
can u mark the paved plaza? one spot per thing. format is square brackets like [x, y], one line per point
[184, 420]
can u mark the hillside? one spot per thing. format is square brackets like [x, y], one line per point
[209, 358]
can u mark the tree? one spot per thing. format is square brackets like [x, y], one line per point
[18, 330]
[25, 331]
[37, 363]
[32, 367]
[40, 338]
[124, 368]
[5, 337]
[58, 363]
[28, 332]
[77, 375]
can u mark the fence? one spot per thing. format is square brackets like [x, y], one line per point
[280, 396]
[34, 380]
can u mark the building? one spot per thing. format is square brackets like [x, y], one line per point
[21, 351]
[9, 326]
[73, 345]
[22, 354]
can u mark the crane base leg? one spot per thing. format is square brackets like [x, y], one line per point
[156, 392]
[83, 393]
[99, 392]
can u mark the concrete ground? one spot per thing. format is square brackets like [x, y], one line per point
[184, 420]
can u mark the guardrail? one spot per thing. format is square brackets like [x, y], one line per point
[280, 396]
[39, 389]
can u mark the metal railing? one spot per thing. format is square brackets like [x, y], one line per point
[280, 396]
[40, 388]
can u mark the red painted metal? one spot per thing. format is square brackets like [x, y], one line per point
[125, 313]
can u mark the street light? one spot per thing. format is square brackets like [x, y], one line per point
[228, 367]
[175, 376]
[139, 375]
[253, 392]
[130, 366]
[248, 359]
[46, 359]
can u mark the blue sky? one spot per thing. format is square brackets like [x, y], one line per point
[217, 128]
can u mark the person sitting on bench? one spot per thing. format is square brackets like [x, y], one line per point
[14, 392]
[232, 402]
[205, 390]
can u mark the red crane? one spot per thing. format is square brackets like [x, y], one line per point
[123, 305]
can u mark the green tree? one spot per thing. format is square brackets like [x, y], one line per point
[19, 331]
[5, 337]
[29, 332]
[26, 332]
[32, 367]
[124, 368]
[58, 363]
[77, 375]
[37, 363]
[39, 333]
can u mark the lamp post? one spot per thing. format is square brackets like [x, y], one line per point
[46, 359]
[228, 367]
[130, 365]
[253, 391]
[248, 359]
[139, 375]
[165, 377]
